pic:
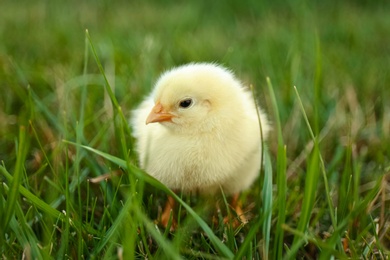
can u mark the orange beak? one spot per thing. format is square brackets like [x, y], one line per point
[158, 115]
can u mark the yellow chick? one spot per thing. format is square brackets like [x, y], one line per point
[199, 131]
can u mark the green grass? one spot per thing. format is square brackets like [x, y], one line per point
[65, 103]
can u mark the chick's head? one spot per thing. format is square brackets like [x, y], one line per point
[195, 98]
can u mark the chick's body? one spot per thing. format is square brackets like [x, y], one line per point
[201, 132]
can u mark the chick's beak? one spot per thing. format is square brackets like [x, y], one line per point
[158, 115]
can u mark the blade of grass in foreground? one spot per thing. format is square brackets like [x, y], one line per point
[323, 170]
[63, 248]
[16, 180]
[222, 249]
[267, 207]
[281, 180]
[80, 135]
[312, 176]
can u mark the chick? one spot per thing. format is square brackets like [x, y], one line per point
[199, 130]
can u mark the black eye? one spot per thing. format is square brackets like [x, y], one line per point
[185, 103]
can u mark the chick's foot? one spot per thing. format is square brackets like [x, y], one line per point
[168, 216]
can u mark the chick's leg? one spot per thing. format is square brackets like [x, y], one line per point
[166, 214]
[236, 205]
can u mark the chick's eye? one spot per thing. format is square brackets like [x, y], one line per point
[185, 103]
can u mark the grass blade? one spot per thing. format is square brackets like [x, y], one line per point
[281, 179]
[311, 182]
[267, 206]
[322, 164]
[16, 180]
[309, 196]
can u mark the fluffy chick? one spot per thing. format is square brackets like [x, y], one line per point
[199, 130]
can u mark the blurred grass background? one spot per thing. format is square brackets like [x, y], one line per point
[54, 89]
